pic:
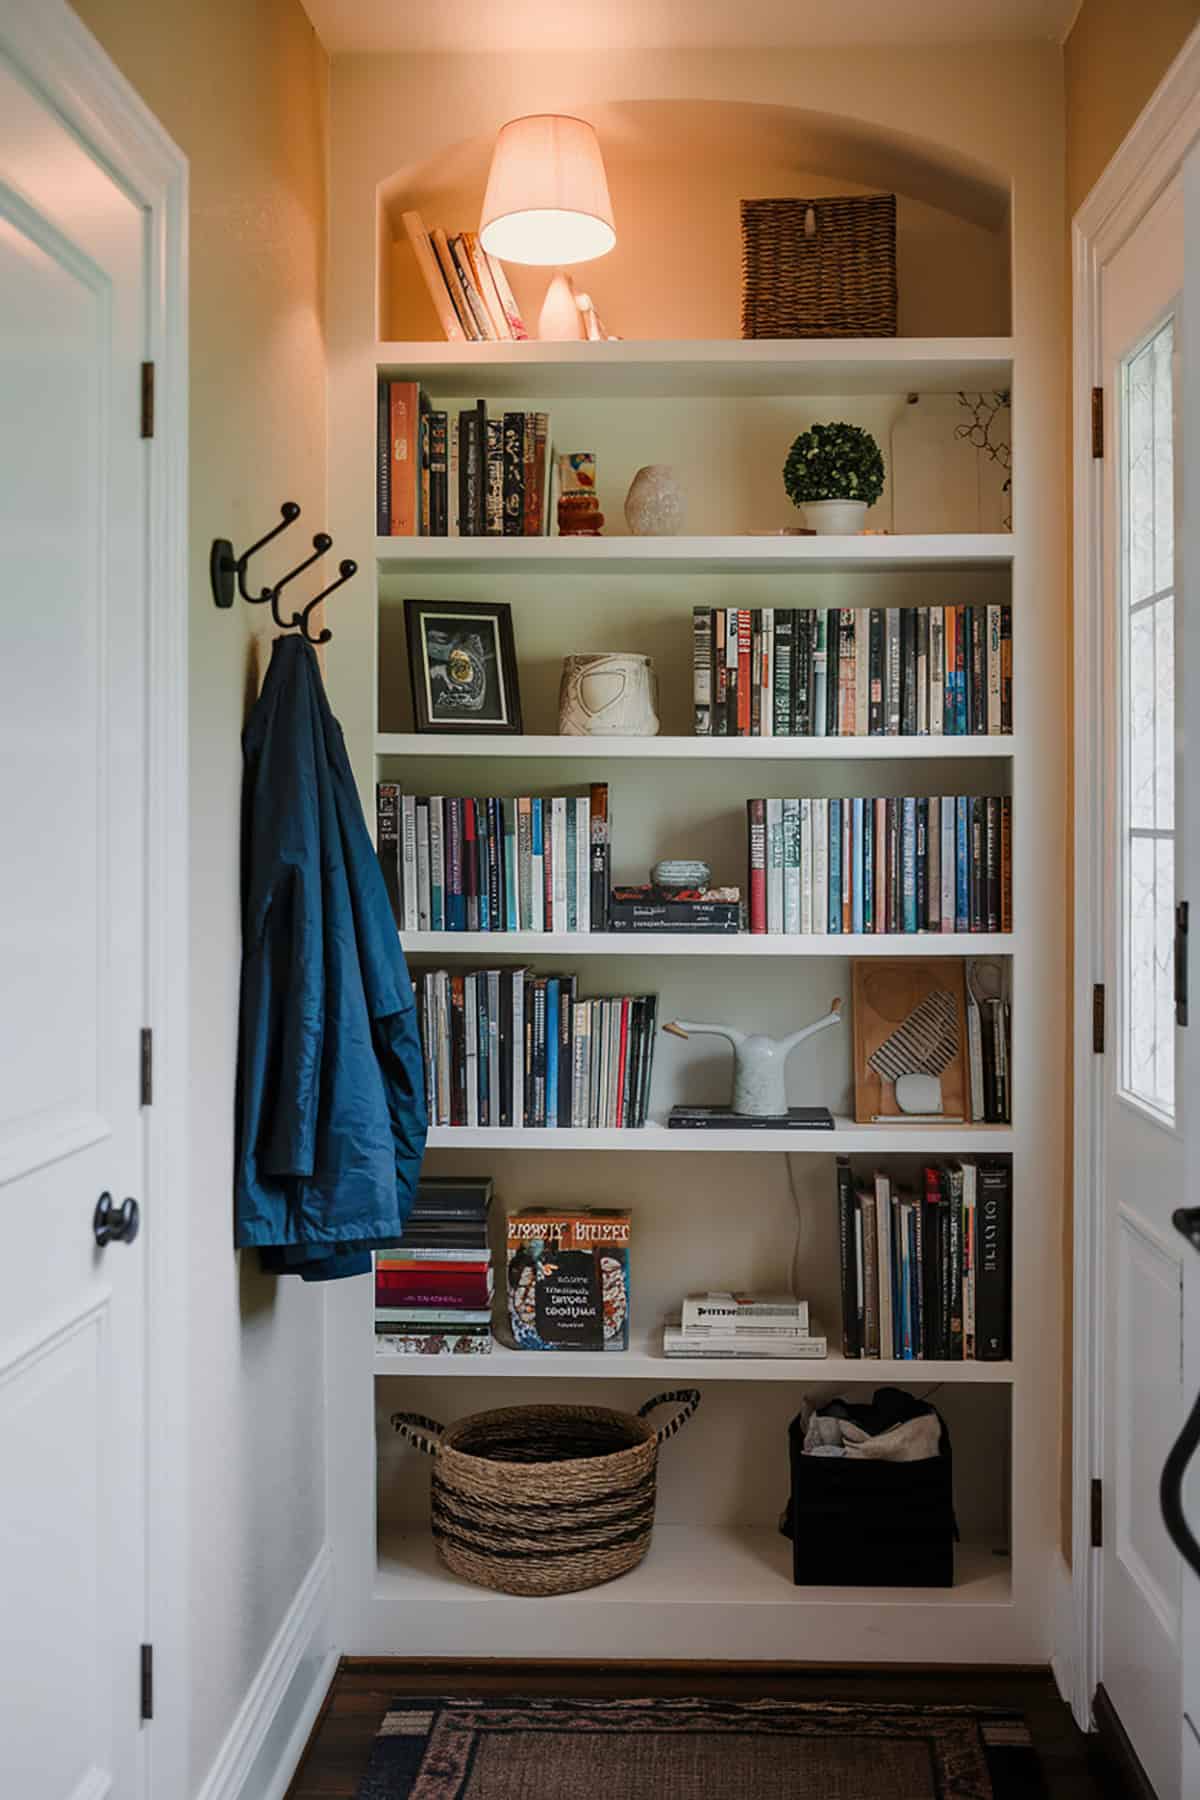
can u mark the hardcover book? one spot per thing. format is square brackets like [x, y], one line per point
[568, 1278]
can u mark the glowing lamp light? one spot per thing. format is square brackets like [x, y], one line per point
[547, 196]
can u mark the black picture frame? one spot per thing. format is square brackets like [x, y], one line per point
[462, 663]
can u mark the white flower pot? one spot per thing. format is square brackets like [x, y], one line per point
[835, 517]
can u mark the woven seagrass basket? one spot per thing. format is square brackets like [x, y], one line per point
[819, 268]
[545, 1499]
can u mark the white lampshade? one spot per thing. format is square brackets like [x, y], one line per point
[547, 194]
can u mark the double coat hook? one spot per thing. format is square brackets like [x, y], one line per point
[228, 575]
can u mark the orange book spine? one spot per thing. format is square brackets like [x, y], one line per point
[403, 422]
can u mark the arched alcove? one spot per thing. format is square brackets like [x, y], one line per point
[678, 170]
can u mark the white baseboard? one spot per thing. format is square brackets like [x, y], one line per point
[265, 1741]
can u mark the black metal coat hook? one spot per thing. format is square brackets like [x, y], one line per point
[227, 572]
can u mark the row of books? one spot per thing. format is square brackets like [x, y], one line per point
[746, 1326]
[926, 1271]
[467, 476]
[989, 1087]
[568, 1278]
[469, 289]
[912, 671]
[526, 864]
[896, 864]
[433, 1292]
[503, 1047]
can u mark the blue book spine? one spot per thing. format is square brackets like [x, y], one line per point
[835, 865]
[962, 827]
[908, 864]
[572, 884]
[508, 818]
[552, 1051]
[868, 865]
[859, 851]
[481, 863]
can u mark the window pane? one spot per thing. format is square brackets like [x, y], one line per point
[1164, 713]
[1164, 462]
[1139, 438]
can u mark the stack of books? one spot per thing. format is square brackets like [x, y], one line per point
[469, 288]
[651, 908]
[470, 476]
[926, 1268]
[433, 1293]
[744, 1325]
[911, 671]
[524, 864]
[900, 864]
[504, 1047]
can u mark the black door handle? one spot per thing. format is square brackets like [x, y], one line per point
[1186, 1220]
[115, 1224]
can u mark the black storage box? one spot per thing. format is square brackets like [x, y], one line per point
[860, 1523]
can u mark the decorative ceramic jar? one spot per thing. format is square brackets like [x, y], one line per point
[656, 503]
[608, 694]
[840, 518]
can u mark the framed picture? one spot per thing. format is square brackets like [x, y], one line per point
[910, 1040]
[463, 664]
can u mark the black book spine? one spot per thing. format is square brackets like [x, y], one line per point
[908, 672]
[851, 1346]
[1006, 668]
[993, 1277]
[495, 838]
[921, 1307]
[650, 1028]
[781, 694]
[922, 862]
[894, 866]
[633, 1050]
[979, 684]
[458, 1052]
[514, 474]
[968, 668]
[991, 861]
[468, 472]
[876, 719]
[480, 453]
[505, 1028]
[383, 471]
[387, 838]
[439, 492]
[539, 1050]
[600, 866]
[976, 919]
[802, 648]
[952, 1188]
[945, 1302]
[833, 668]
[921, 630]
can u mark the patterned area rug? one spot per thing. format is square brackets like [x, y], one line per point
[524, 1749]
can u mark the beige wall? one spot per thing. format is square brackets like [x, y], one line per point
[241, 85]
[1113, 60]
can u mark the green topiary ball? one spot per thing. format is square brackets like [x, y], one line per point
[834, 462]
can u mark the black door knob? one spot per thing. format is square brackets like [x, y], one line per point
[115, 1224]
[1186, 1221]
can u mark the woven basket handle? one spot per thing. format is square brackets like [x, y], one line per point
[416, 1428]
[688, 1399]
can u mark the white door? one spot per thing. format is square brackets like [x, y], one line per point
[1143, 1107]
[72, 806]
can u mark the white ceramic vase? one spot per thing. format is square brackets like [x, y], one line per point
[655, 504]
[835, 518]
[560, 320]
[608, 694]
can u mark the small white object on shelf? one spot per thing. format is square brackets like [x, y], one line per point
[655, 505]
[608, 694]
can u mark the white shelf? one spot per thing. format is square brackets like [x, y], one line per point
[704, 368]
[644, 1361]
[688, 1565]
[695, 555]
[694, 749]
[845, 1139]
[706, 944]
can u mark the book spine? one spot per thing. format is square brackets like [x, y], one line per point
[566, 1049]
[1006, 911]
[932, 918]
[1006, 661]
[802, 671]
[468, 426]
[818, 698]
[437, 863]
[834, 922]
[512, 311]
[493, 504]
[876, 628]
[781, 683]
[820, 848]
[993, 1274]
[702, 672]
[953, 1183]
[865, 1202]
[525, 863]
[892, 668]
[962, 920]
[846, 682]
[744, 694]
[408, 861]
[552, 999]
[495, 882]
[537, 865]
[806, 866]
[979, 671]
[541, 472]
[583, 889]
[791, 866]
[775, 857]
[975, 894]
[601, 858]
[991, 862]
[405, 475]
[514, 474]
[885, 1277]
[922, 652]
[529, 494]
[720, 676]
[424, 879]
[949, 869]
[993, 671]
[756, 695]
[937, 672]
[858, 868]
[383, 460]
[731, 671]
[833, 670]
[847, 1248]
[908, 874]
[558, 826]
[484, 329]
[756, 880]
[387, 840]
[432, 276]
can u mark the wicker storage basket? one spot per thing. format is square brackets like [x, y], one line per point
[545, 1499]
[819, 268]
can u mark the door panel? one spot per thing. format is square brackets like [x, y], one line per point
[72, 911]
[1149, 1302]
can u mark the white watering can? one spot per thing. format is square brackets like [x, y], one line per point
[759, 1061]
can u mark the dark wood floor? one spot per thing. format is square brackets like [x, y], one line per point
[341, 1743]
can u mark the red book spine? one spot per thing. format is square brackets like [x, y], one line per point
[398, 1281]
[756, 815]
[743, 673]
[402, 430]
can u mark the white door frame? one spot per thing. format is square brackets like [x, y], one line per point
[1150, 156]
[60, 58]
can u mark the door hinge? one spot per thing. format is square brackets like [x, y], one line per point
[1097, 1513]
[147, 400]
[1098, 1019]
[1097, 422]
[1181, 963]
[147, 1681]
[147, 1066]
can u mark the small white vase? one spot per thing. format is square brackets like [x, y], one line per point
[655, 503]
[608, 695]
[835, 518]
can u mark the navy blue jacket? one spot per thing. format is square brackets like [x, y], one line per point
[331, 1115]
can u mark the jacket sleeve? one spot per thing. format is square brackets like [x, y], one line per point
[398, 1047]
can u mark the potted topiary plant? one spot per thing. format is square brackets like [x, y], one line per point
[834, 472]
